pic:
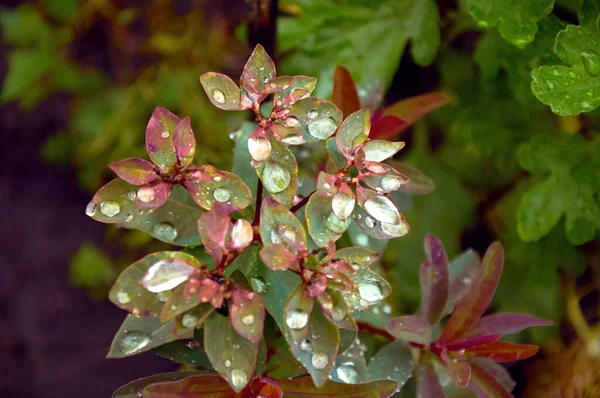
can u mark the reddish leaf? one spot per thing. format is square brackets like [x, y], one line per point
[504, 324]
[258, 71]
[210, 246]
[345, 96]
[326, 184]
[495, 370]
[223, 92]
[159, 138]
[265, 387]
[134, 171]
[277, 257]
[473, 305]
[386, 126]
[410, 328]
[434, 280]
[428, 385]
[414, 108]
[209, 386]
[502, 351]
[208, 185]
[465, 268]
[304, 387]
[461, 345]
[459, 370]
[247, 314]
[184, 142]
[486, 386]
[216, 224]
[153, 195]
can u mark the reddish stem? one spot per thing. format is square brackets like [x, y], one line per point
[301, 204]
[375, 330]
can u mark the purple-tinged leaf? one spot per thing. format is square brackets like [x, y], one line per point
[223, 92]
[178, 302]
[386, 126]
[486, 386]
[211, 247]
[273, 215]
[129, 295]
[113, 203]
[478, 298]
[139, 334]
[495, 370]
[304, 387]
[159, 138]
[326, 184]
[209, 291]
[428, 385]
[345, 96]
[279, 173]
[318, 350]
[463, 270]
[501, 351]
[323, 225]
[298, 308]
[153, 195]
[216, 224]
[460, 371]
[393, 362]
[232, 356]
[317, 119]
[184, 142]
[208, 185]
[418, 183]
[277, 257]
[411, 328]
[434, 280]
[247, 313]
[463, 344]
[353, 132]
[258, 71]
[134, 171]
[504, 324]
[134, 388]
[380, 150]
[196, 385]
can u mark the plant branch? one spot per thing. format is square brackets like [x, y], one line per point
[375, 330]
[301, 204]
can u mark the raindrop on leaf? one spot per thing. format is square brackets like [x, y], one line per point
[146, 194]
[370, 290]
[221, 195]
[382, 209]
[292, 121]
[322, 128]
[347, 373]
[188, 320]
[343, 205]
[133, 342]
[319, 360]
[248, 320]
[218, 96]
[166, 275]
[259, 148]
[275, 178]
[591, 62]
[165, 231]
[131, 195]
[336, 225]
[391, 183]
[258, 285]
[164, 135]
[369, 222]
[109, 208]
[90, 209]
[123, 297]
[296, 319]
[305, 345]
[313, 114]
[239, 379]
[227, 363]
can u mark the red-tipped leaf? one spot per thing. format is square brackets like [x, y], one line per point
[247, 314]
[486, 386]
[345, 96]
[277, 257]
[159, 138]
[475, 341]
[428, 385]
[184, 142]
[504, 324]
[434, 280]
[134, 171]
[414, 108]
[153, 195]
[459, 370]
[410, 328]
[387, 126]
[501, 351]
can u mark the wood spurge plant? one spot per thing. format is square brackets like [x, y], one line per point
[267, 296]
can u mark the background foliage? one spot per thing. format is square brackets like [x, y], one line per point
[514, 155]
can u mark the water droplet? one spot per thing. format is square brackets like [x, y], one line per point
[382, 209]
[369, 222]
[342, 205]
[370, 290]
[319, 360]
[241, 233]
[339, 313]
[248, 320]
[395, 230]
[289, 235]
[236, 346]
[305, 345]
[133, 342]
[227, 363]
[188, 320]
[391, 183]
[109, 208]
[293, 140]
[258, 285]
[275, 178]
[336, 225]
[259, 148]
[347, 373]
[123, 297]
[146, 194]
[292, 121]
[296, 319]
[221, 195]
[218, 96]
[163, 297]
[322, 128]
[387, 309]
[239, 379]
[166, 274]
[313, 114]
[165, 231]
[90, 209]
[131, 195]
[217, 178]
[591, 62]
[164, 135]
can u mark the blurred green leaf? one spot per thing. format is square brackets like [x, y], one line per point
[23, 26]
[90, 267]
[25, 67]
[61, 9]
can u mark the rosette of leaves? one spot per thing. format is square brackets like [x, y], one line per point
[467, 347]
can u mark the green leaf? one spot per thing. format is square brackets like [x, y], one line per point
[279, 173]
[90, 267]
[276, 220]
[132, 390]
[128, 294]
[223, 92]
[241, 157]
[208, 184]
[570, 188]
[323, 225]
[516, 19]
[61, 9]
[392, 362]
[25, 67]
[318, 350]
[317, 119]
[139, 334]
[349, 33]
[353, 132]
[186, 352]
[23, 26]
[233, 356]
[573, 88]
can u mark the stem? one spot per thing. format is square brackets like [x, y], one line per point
[375, 330]
[259, 197]
[301, 204]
